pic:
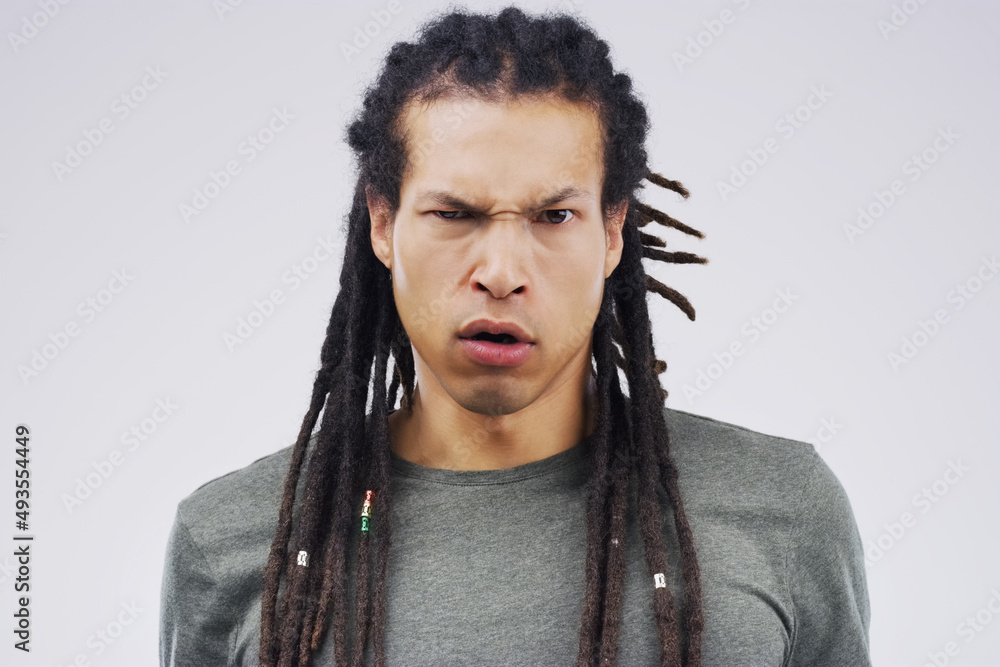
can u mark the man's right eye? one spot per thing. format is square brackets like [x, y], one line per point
[448, 215]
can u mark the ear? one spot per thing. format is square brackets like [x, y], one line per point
[613, 224]
[381, 225]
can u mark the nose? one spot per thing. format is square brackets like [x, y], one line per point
[501, 258]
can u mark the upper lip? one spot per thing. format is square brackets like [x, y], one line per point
[489, 326]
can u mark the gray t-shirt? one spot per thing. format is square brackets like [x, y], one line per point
[487, 567]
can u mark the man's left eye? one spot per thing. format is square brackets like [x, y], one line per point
[561, 215]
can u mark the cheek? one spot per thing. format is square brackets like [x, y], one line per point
[423, 288]
[409, 266]
[579, 287]
[583, 274]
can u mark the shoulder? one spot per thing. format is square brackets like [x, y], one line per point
[227, 497]
[231, 520]
[213, 570]
[730, 470]
[785, 501]
[718, 455]
[726, 470]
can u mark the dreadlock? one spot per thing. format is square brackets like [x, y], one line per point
[499, 56]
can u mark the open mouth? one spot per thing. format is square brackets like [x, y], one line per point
[496, 349]
[506, 339]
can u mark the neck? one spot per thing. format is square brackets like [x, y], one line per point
[439, 433]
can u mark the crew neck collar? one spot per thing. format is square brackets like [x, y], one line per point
[570, 457]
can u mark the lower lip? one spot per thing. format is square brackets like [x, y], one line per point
[497, 354]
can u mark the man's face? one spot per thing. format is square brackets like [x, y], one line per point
[499, 218]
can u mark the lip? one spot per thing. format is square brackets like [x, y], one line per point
[489, 326]
[497, 354]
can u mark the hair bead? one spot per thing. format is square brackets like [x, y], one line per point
[366, 511]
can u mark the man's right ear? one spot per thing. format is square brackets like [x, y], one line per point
[381, 225]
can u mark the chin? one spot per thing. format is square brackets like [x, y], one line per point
[493, 401]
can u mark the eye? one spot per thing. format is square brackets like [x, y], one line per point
[448, 215]
[562, 215]
[555, 216]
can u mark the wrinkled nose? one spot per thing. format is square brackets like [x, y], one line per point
[501, 258]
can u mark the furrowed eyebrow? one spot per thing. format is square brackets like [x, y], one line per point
[446, 199]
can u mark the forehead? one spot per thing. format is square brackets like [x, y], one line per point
[527, 143]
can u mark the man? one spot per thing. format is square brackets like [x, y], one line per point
[519, 508]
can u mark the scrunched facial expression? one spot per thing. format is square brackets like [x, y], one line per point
[499, 218]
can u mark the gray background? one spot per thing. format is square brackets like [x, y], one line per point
[891, 430]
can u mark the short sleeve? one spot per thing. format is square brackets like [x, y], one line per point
[193, 632]
[826, 577]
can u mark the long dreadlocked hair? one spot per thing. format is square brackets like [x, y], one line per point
[499, 56]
